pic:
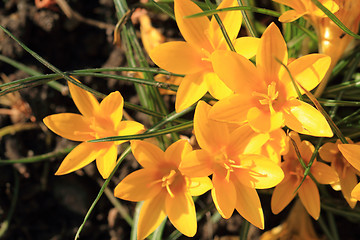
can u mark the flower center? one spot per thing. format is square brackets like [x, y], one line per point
[269, 98]
[226, 165]
[173, 179]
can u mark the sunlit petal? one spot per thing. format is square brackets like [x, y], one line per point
[106, 161]
[79, 157]
[290, 16]
[246, 46]
[192, 29]
[152, 213]
[262, 121]
[191, 89]
[352, 154]
[84, 101]
[228, 19]
[129, 128]
[348, 181]
[305, 119]
[308, 71]
[139, 186]
[231, 109]
[249, 206]
[69, 125]
[196, 164]
[199, 186]
[262, 173]
[244, 140]
[211, 135]
[112, 108]
[272, 49]
[310, 198]
[224, 196]
[178, 57]
[283, 194]
[177, 151]
[217, 88]
[182, 214]
[147, 154]
[237, 72]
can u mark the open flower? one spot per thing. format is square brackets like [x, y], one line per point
[95, 121]
[265, 96]
[164, 188]
[347, 173]
[193, 57]
[294, 174]
[351, 152]
[305, 8]
[236, 170]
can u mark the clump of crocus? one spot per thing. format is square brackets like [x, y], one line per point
[236, 170]
[163, 187]
[97, 120]
[193, 57]
[351, 152]
[265, 96]
[329, 152]
[294, 168]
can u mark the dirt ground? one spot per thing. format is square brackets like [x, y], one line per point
[53, 207]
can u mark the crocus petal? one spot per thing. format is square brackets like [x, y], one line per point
[356, 192]
[249, 206]
[199, 186]
[328, 152]
[182, 214]
[323, 173]
[196, 164]
[310, 198]
[147, 154]
[272, 49]
[246, 46]
[227, 18]
[152, 213]
[224, 196]
[79, 157]
[191, 89]
[211, 135]
[351, 152]
[129, 128]
[139, 186]
[111, 107]
[178, 57]
[177, 151]
[348, 181]
[308, 71]
[262, 121]
[232, 109]
[305, 119]
[283, 193]
[69, 125]
[106, 161]
[237, 72]
[192, 29]
[84, 101]
[244, 140]
[290, 16]
[330, 5]
[216, 87]
[259, 172]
